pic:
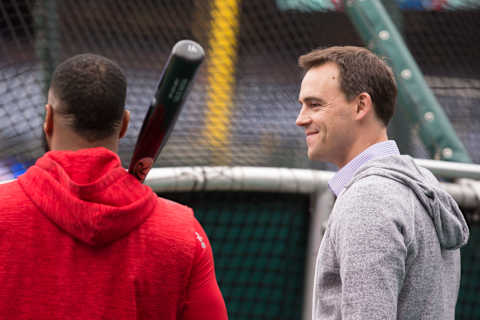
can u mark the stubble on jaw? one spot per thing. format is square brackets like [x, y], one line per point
[324, 133]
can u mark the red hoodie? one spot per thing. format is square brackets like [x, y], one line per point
[80, 238]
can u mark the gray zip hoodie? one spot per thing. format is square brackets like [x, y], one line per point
[390, 250]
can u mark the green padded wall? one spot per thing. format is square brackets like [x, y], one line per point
[468, 304]
[259, 244]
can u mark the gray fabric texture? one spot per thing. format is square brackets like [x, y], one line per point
[390, 250]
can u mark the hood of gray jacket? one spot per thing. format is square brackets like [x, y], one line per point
[452, 230]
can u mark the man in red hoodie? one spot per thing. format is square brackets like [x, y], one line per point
[83, 239]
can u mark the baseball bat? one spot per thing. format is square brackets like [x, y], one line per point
[172, 89]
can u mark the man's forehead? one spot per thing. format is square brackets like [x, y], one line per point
[318, 77]
[327, 72]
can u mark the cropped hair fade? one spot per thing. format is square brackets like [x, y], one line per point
[91, 90]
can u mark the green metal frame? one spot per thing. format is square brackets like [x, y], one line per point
[415, 98]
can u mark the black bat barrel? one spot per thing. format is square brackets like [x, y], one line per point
[173, 87]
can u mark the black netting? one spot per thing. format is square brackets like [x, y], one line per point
[258, 127]
[259, 245]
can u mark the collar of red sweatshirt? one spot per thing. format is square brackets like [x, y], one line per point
[88, 194]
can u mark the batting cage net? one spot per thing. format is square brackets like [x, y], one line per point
[243, 105]
[241, 110]
[259, 248]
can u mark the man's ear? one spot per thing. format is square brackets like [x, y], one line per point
[48, 121]
[364, 106]
[124, 125]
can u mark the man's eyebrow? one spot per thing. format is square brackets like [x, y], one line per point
[312, 99]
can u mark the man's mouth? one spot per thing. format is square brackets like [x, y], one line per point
[310, 136]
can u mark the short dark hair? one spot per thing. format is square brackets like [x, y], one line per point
[91, 90]
[360, 71]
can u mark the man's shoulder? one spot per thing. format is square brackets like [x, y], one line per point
[15, 206]
[11, 194]
[171, 228]
[174, 210]
[172, 218]
[374, 199]
[377, 186]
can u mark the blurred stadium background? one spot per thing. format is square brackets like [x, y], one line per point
[241, 111]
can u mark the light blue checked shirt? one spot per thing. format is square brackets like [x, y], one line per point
[345, 174]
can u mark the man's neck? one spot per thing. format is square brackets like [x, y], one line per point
[360, 145]
[70, 141]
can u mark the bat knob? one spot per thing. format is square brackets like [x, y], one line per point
[188, 50]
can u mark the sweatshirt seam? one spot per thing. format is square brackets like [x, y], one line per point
[184, 294]
[412, 216]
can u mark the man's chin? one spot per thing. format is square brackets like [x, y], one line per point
[314, 156]
[317, 154]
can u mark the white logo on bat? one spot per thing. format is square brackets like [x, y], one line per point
[192, 48]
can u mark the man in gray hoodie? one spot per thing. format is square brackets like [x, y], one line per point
[391, 247]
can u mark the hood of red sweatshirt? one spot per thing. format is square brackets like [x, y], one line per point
[88, 194]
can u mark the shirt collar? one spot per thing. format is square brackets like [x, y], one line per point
[345, 174]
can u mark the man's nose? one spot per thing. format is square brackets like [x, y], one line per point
[302, 119]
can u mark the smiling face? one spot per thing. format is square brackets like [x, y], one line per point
[326, 115]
